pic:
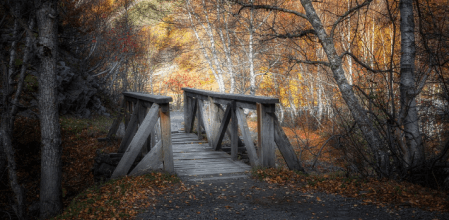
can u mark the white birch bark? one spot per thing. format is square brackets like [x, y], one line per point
[371, 134]
[215, 72]
[409, 113]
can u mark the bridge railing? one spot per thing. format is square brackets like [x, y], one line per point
[142, 113]
[219, 121]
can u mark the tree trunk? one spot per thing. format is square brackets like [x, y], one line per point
[50, 189]
[409, 113]
[371, 134]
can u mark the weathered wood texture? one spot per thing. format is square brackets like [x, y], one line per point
[151, 161]
[285, 147]
[267, 150]
[249, 144]
[141, 134]
[130, 130]
[197, 160]
[222, 130]
[136, 144]
[187, 113]
[203, 94]
[148, 98]
[219, 122]
[166, 138]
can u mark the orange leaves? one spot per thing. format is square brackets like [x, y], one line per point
[369, 190]
[122, 198]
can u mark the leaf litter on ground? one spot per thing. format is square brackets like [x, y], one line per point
[369, 190]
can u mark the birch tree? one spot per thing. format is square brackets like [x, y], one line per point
[414, 155]
[334, 62]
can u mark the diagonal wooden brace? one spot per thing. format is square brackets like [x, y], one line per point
[137, 142]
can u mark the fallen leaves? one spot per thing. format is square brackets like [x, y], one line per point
[369, 190]
[122, 198]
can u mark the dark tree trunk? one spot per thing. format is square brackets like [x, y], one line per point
[50, 189]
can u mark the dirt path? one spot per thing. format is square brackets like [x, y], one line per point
[252, 199]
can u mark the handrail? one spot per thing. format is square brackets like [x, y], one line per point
[141, 112]
[235, 97]
[222, 121]
[149, 97]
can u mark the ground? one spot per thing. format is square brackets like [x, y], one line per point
[253, 199]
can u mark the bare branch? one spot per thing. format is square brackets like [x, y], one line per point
[364, 65]
[267, 7]
[348, 12]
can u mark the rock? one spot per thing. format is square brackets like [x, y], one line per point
[105, 164]
[77, 93]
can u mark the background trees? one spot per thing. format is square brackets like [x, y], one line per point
[369, 76]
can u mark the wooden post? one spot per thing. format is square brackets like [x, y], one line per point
[199, 119]
[193, 114]
[234, 132]
[267, 152]
[167, 151]
[187, 113]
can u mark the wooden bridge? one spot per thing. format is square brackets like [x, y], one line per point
[155, 141]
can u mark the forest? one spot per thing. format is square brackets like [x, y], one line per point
[362, 84]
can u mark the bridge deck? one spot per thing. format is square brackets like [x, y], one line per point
[195, 160]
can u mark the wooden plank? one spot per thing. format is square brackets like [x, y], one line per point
[223, 127]
[285, 147]
[229, 130]
[236, 97]
[259, 128]
[197, 156]
[267, 152]
[136, 144]
[247, 105]
[249, 144]
[234, 132]
[141, 116]
[149, 97]
[193, 114]
[166, 138]
[151, 161]
[116, 123]
[187, 142]
[205, 121]
[199, 120]
[130, 130]
[214, 121]
[187, 113]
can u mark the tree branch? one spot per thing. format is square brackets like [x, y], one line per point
[267, 7]
[348, 12]
[363, 64]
